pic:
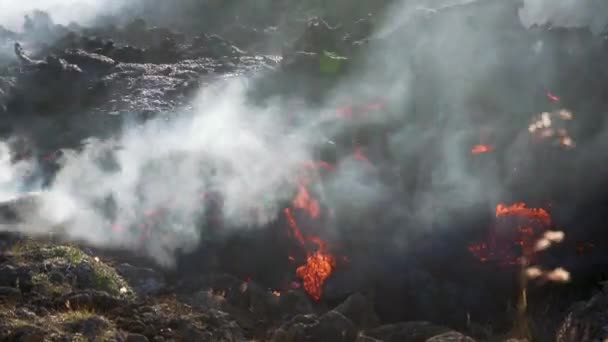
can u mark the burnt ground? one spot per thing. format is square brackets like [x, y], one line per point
[90, 81]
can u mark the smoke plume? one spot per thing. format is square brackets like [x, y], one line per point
[443, 80]
[62, 11]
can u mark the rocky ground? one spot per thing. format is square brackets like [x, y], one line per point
[56, 292]
[95, 78]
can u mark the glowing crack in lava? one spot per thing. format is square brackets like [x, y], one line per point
[478, 149]
[519, 209]
[319, 262]
[508, 248]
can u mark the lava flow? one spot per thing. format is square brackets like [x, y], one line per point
[319, 262]
[508, 247]
[477, 149]
[318, 267]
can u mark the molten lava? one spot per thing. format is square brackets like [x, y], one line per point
[508, 248]
[552, 97]
[319, 262]
[478, 149]
[519, 209]
[297, 234]
[305, 202]
[318, 267]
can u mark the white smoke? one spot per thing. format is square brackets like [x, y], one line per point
[249, 155]
[566, 13]
[62, 11]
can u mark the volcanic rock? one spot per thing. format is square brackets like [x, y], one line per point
[136, 338]
[89, 62]
[294, 302]
[360, 311]
[319, 36]
[332, 326]
[213, 46]
[415, 331]
[144, 281]
[9, 294]
[90, 299]
[586, 321]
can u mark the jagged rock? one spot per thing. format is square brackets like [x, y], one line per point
[414, 332]
[144, 281]
[360, 311]
[23, 57]
[213, 46]
[317, 37]
[90, 299]
[332, 326]
[9, 275]
[27, 333]
[89, 62]
[224, 327]
[127, 54]
[136, 338]
[89, 327]
[9, 294]
[301, 61]
[20, 278]
[586, 321]
[362, 338]
[293, 302]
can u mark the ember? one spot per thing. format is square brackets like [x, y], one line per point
[552, 97]
[478, 149]
[525, 237]
[519, 209]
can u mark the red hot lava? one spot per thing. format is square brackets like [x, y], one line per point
[319, 262]
[552, 97]
[478, 149]
[508, 247]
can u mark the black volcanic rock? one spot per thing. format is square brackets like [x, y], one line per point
[144, 281]
[360, 311]
[332, 326]
[89, 62]
[586, 321]
[415, 332]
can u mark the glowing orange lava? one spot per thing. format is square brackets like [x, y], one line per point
[305, 202]
[318, 267]
[477, 149]
[319, 262]
[514, 245]
[297, 234]
[519, 209]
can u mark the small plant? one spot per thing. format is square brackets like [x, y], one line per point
[528, 272]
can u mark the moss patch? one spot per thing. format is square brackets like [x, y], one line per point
[65, 260]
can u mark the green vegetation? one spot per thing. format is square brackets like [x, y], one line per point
[71, 263]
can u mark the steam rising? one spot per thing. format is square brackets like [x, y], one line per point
[63, 11]
[252, 155]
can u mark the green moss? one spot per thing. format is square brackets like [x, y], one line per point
[103, 276]
[106, 279]
[43, 284]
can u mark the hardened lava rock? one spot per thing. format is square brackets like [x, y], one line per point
[586, 321]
